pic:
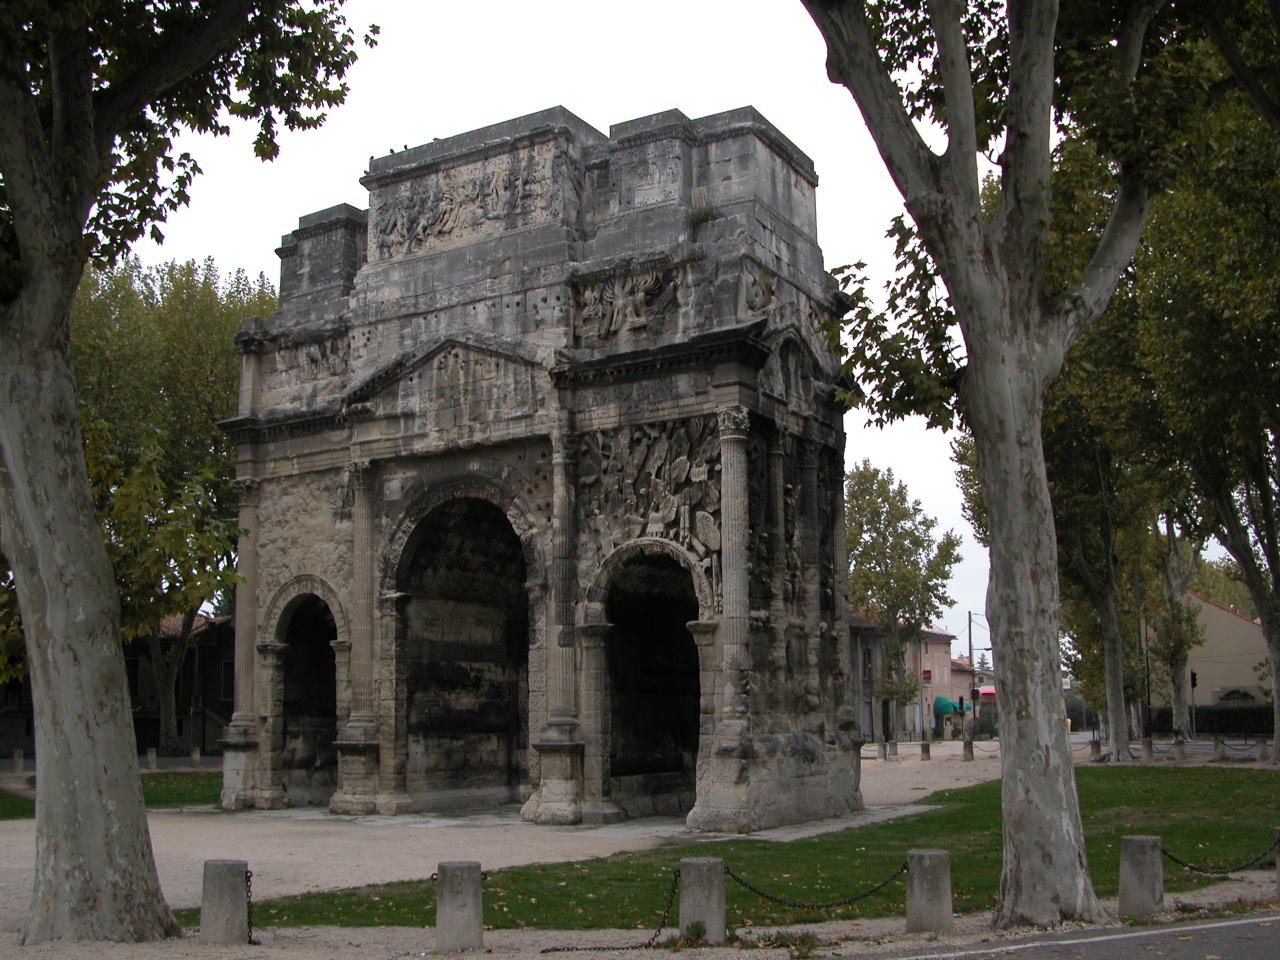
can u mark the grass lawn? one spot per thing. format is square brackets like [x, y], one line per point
[159, 790]
[14, 807]
[1208, 816]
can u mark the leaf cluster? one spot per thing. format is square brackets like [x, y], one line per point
[898, 569]
[93, 92]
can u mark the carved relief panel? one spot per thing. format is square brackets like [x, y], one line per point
[640, 300]
[650, 480]
[472, 201]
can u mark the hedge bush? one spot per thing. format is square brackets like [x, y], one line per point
[1221, 719]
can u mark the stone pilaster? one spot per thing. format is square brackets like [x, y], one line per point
[240, 737]
[270, 794]
[595, 717]
[724, 776]
[735, 560]
[357, 741]
[558, 796]
[390, 695]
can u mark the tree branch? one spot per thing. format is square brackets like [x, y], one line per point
[1024, 209]
[957, 88]
[853, 61]
[202, 39]
[1245, 75]
[1087, 299]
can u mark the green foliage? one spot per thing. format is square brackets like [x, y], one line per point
[1222, 719]
[150, 70]
[1210, 816]
[169, 550]
[1220, 580]
[155, 359]
[898, 571]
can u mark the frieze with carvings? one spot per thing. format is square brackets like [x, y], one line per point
[624, 301]
[466, 203]
[651, 480]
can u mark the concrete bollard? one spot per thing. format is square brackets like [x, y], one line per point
[893, 748]
[1179, 749]
[195, 756]
[1148, 749]
[925, 750]
[1262, 751]
[702, 896]
[928, 891]
[882, 750]
[458, 906]
[17, 761]
[224, 902]
[1141, 876]
[1219, 749]
[1095, 749]
[152, 759]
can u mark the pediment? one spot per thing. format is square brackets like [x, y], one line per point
[452, 383]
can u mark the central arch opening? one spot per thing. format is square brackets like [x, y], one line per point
[309, 762]
[466, 626]
[653, 687]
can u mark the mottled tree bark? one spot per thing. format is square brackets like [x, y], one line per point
[95, 875]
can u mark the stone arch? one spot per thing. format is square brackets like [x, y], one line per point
[479, 486]
[305, 660]
[598, 592]
[291, 593]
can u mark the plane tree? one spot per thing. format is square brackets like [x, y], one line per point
[898, 573]
[91, 96]
[986, 78]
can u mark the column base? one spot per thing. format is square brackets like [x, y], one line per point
[239, 746]
[392, 804]
[357, 747]
[597, 813]
[558, 797]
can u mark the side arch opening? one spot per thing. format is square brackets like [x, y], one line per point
[653, 686]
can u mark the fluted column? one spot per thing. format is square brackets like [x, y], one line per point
[240, 737]
[363, 561]
[357, 742]
[558, 796]
[735, 559]
[246, 613]
[562, 684]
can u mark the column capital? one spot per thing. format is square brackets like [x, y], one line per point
[362, 474]
[247, 489]
[734, 421]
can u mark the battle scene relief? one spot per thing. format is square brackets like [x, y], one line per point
[651, 480]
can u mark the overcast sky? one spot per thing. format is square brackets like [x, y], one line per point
[445, 68]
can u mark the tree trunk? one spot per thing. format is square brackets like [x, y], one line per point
[95, 877]
[1113, 667]
[1045, 879]
[1178, 682]
[166, 665]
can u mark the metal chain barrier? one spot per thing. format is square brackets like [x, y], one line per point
[816, 906]
[653, 938]
[994, 749]
[248, 896]
[1243, 748]
[1259, 860]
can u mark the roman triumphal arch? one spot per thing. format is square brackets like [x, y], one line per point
[540, 462]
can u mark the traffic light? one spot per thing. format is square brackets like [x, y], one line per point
[1193, 679]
